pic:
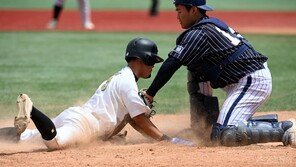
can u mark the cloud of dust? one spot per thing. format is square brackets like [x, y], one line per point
[177, 125]
[173, 125]
[9, 143]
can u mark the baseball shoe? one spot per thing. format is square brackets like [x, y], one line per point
[289, 137]
[24, 105]
[88, 26]
[52, 24]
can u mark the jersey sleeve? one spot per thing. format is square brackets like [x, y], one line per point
[192, 46]
[131, 99]
[166, 71]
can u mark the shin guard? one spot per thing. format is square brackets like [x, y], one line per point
[253, 132]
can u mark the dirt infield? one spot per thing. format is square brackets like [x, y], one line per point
[131, 21]
[138, 151]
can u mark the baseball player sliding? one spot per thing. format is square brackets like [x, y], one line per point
[216, 56]
[85, 11]
[115, 103]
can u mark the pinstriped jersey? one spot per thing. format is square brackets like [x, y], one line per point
[209, 44]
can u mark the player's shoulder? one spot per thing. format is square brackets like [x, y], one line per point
[126, 71]
[191, 34]
[126, 75]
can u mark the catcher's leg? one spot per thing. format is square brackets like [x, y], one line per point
[204, 108]
[245, 97]
[251, 132]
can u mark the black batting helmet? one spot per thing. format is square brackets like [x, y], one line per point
[144, 49]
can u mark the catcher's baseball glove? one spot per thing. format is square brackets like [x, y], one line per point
[147, 103]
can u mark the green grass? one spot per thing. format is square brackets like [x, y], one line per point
[59, 69]
[277, 5]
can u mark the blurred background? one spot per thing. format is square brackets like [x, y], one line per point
[62, 67]
[275, 5]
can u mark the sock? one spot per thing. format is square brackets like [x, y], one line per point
[44, 124]
[57, 11]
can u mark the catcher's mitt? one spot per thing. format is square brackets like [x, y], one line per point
[147, 103]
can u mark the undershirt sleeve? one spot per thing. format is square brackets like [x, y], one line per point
[166, 71]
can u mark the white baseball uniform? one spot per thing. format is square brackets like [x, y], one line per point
[115, 98]
[84, 8]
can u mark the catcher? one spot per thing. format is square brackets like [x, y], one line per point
[115, 103]
[216, 56]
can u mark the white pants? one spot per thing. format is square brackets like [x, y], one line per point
[84, 8]
[74, 126]
[244, 97]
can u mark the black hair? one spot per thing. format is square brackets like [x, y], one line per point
[203, 12]
[188, 7]
[128, 59]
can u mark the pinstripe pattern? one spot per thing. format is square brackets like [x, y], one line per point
[233, 110]
[210, 44]
[235, 103]
[247, 79]
[205, 88]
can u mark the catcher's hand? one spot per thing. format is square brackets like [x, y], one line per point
[144, 98]
[147, 103]
[148, 97]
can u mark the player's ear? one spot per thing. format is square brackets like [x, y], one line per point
[194, 10]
